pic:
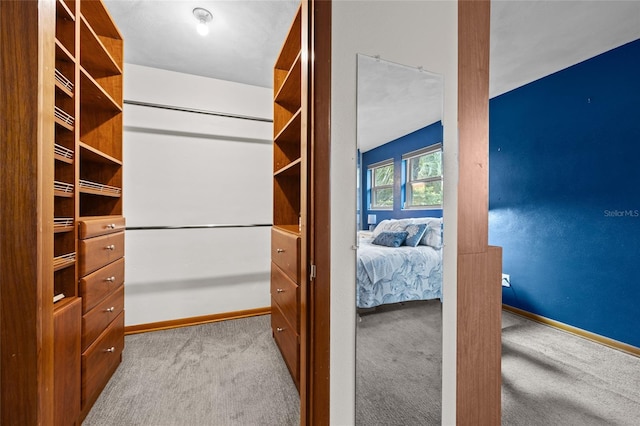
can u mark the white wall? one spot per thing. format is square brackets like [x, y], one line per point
[193, 169]
[416, 33]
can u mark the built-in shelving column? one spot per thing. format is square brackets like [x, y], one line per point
[101, 62]
[288, 236]
[99, 187]
[67, 306]
[64, 146]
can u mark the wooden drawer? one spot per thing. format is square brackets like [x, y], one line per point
[98, 319]
[99, 251]
[99, 225]
[101, 360]
[285, 293]
[97, 285]
[287, 340]
[285, 252]
[66, 363]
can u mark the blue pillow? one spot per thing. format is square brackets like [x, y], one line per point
[390, 239]
[414, 234]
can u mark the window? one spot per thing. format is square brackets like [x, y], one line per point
[381, 184]
[423, 187]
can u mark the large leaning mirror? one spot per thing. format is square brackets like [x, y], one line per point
[399, 244]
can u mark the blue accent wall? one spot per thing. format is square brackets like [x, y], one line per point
[564, 194]
[421, 138]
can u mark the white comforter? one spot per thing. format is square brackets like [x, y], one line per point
[397, 274]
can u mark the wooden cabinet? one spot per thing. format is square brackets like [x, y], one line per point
[66, 360]
[101, 267]
[290, 165]
[100, 361]
[61, 162]
[99, 186]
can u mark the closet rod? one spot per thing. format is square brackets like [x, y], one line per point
[197, 111]
[147, 228]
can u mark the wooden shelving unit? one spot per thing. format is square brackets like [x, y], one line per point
[65, 86]
[288, 236]
[64, 147]
[99, 188]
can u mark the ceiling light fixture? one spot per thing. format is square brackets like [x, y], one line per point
[204, 17]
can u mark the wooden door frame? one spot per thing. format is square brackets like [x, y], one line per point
[314, 392]
[478, 379]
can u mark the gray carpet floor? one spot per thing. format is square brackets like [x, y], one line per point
[224, 373]
[550, 377]
[398, 368]
[231, 373]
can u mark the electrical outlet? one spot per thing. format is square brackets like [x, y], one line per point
[506, 280]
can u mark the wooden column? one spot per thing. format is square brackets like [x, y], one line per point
[317, 412]
[479, 265]
[26, 242]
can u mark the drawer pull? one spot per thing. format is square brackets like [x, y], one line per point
[279, 329]
[111, 349]
[110, 279]
[279, 250]
[111, 226]
[279, 290]
[111, 309]
[110, 247]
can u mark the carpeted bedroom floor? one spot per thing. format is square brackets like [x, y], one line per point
[230, 373]
[549, 377]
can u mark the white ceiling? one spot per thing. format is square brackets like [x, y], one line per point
[529, 40]
[244, 39]
[394, 100]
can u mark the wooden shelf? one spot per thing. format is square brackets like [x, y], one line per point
[94, 55]
[94, 155]
[292, 229]
[63, 89]
[58, 157]
[291, 169]
[93, 95]
[63, 53]
[62, 194]
[62, 189]
[63, 224]
[63, 84]
[63, 11]
[286, 144]
[97, 15]
[60, 153]
[289, 51]
[98, 192]
[64, 261]
[289, 94]
[63, 302]
[63, 124]
[290, 133]
[95, 188]
[60, 229]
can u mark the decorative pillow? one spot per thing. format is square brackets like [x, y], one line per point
[414, 234]
[381, 227]
[390, 239]
[433, 236]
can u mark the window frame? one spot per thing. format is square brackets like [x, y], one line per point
[373, 188]
[407, 180]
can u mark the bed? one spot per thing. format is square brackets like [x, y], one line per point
[398, 274]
